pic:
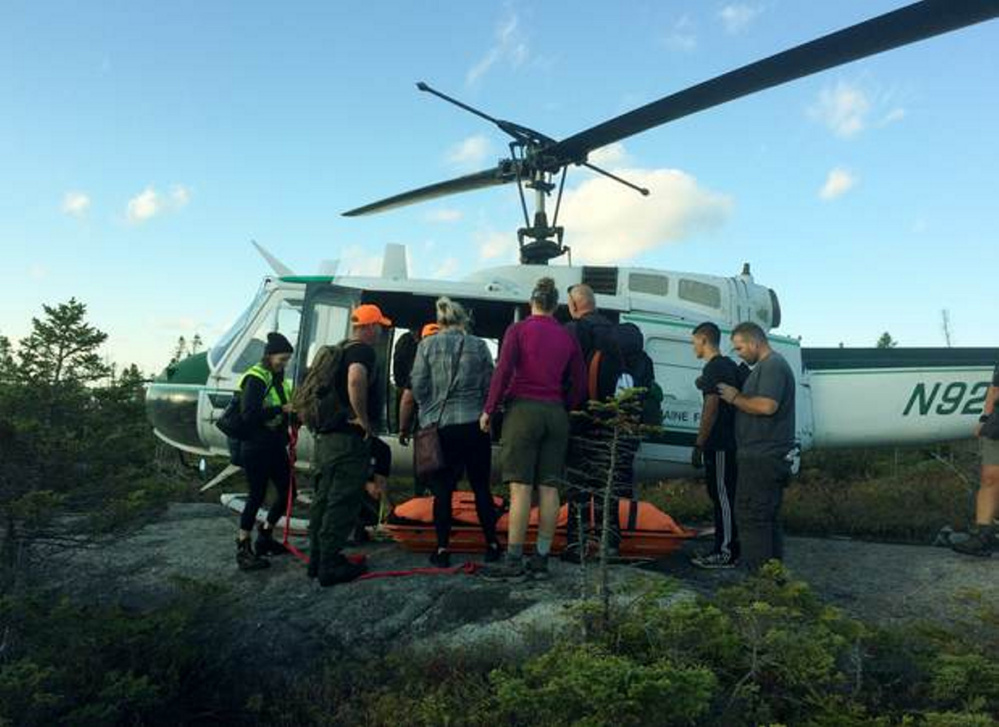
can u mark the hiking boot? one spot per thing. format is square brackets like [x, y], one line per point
[537, 567]
[493, 553]
[267, 545]
[714, 561]
[342, 571]
[441, 559]
[979, 542]
[509, 568]
[246, 559]
[312, 571]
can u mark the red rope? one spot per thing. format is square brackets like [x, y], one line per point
[469, 568]
[292, 489]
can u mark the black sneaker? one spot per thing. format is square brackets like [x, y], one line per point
[511, 567]
[343, 571]
[714, 561]
[572, 554]
[537, 567]
[441, 559]
[979, 543]
[493, 553]
[246, 559]
[267, 545]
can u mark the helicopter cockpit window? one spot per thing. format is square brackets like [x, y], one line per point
[286, 319]
[701, 293]
[219, 349]
[648, 283]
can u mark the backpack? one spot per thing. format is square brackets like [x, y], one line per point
[330, 411]
[604, 362]
[618, 361]
[231, 423]
[639, 366]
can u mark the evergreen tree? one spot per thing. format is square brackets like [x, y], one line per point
[196, 343]
[62, 348]
[180, 352]
[886, 341]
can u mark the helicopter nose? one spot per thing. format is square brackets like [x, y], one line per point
[172, 409]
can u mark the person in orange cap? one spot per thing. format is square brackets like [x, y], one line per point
[342, 413]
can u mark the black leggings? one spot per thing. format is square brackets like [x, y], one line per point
[466, 449]
[263, 464]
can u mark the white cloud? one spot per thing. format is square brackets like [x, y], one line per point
[612, 155]
[357, 261]
[144, 206]
[896, 114]
[471, 152]
[38, 272]
[447, 268]
[149, 203]
[510, 46]
[494, 245]
[607, 222]
[75, 204]
[843, 108]
[736, 17]
[180, 324]
[443, 215]
[681, 36]
[838, 182]
[180, 195]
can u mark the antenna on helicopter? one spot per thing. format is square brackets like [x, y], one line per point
[276, 265]
[535, 159]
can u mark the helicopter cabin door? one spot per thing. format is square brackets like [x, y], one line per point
[325, 322]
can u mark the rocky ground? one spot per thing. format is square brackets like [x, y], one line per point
[279, 611]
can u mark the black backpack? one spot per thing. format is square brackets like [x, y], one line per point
[639, 365]
[231, 423]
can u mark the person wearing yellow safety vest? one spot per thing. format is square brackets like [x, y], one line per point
[265, 406]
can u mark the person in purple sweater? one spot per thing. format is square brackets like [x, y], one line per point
[539, 378]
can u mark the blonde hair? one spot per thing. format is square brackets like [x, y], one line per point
[450, 313]
[545, 295]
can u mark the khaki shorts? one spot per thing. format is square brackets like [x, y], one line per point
[990, 452]
[535, 440]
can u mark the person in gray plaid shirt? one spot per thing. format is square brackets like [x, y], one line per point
[466, 448]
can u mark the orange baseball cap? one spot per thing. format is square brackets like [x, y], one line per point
[429, 330]
[368, 315]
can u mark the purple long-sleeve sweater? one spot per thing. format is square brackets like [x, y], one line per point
[538, 360]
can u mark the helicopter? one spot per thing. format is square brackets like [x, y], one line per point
[845, 397]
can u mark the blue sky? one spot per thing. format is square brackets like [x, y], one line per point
[143, 144]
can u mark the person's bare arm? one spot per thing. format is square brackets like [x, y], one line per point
[407, 409]
[756, 405]
[357, 391]
[709, 413]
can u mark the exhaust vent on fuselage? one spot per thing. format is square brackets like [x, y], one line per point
[603, 280]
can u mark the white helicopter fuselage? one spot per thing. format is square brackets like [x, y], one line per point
[845, 397]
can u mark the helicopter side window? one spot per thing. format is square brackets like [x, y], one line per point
[286, 319]
[648, 284]
[704, 294]
[218, 351]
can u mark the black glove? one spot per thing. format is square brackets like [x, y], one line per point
[697, 458]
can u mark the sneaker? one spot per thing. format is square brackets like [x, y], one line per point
[509, 568]
[979, 543]
[493, 553]
[537, 567]
[714, 561]
[441, 559]
[572, 554]
[246, 559]
[267, 545]
[342, 571]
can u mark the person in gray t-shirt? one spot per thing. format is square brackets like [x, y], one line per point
[764, 435]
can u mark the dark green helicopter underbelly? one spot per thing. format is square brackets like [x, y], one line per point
[172, 401]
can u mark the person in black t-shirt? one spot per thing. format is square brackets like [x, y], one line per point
[343, 451]
[715, 446]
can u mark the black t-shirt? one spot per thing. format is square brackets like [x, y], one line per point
[360, 353]
[402, 360]
[721, 370]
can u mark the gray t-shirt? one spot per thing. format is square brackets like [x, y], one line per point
[768, 435]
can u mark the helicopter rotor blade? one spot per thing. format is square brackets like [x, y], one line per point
[906, 25]
[503, 173]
